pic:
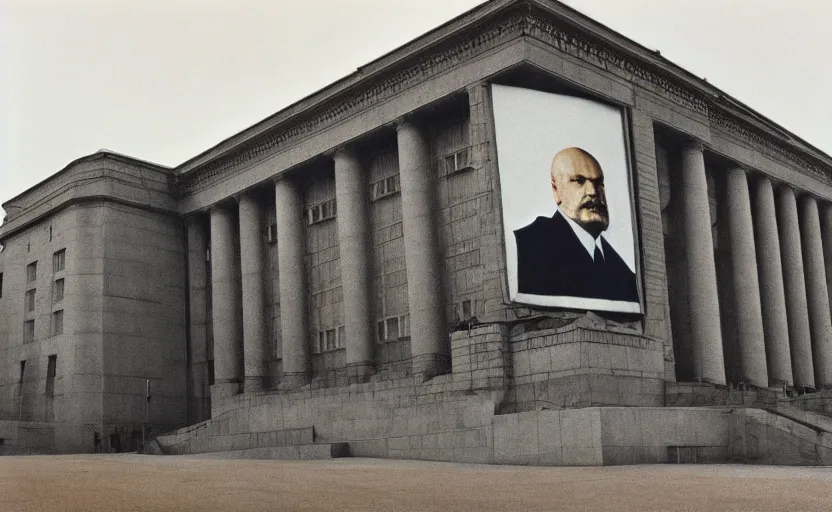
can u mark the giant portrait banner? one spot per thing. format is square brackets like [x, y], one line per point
[566, 201]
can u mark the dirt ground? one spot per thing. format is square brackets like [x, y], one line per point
[132, 482]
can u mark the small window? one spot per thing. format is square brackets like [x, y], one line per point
[58, 322]
[381, 336]
[392, 328]
[58, 294]
[271, 234]
[457, 162]
[331, 341]
[28, 331]
[20, 379]
[467, 310]
[50, 374]
[321, 212]
[31, 272]
[1, 285]
[59, 261]
[29, 301]
[385, 187]
[342, 337]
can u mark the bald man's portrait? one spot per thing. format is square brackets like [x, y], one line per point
[566, 254]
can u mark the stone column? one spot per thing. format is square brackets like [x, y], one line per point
[703, 302]
[352, 195]
[746, 283]
[252, 261]
[826, 235]
[429, 344]
[800, 339]
[198, 397]
[292, 273]
[225, 306]
[772, 293]
[817, 295]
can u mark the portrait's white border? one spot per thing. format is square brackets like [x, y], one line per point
[568, 302]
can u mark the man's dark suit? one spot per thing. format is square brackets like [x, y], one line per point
[552, 261]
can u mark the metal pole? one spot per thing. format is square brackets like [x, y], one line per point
[146, 414]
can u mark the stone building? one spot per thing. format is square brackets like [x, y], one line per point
[337, 273]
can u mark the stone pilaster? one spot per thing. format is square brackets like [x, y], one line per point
[817, 296]
[252, 268]
[772, 293]
[797, 310]
[429, 341]
[746, 284]
[199, 408]
[293, 314]
[352, 196]
[703, 302]
[225, 305]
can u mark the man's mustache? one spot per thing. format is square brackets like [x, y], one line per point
[595, 204]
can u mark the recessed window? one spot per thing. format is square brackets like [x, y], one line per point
[394, 328]
[20, 379]
[28, 331]
[58, 294]
[31, 272]
[330, 339]
[29, 301]
[58, 322]
[51, 367]
[1, 285]
[321, 212]
[59, 261]
[271, 234]
[457, 162]
[385, 187]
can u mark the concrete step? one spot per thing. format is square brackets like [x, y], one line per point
[299, 452]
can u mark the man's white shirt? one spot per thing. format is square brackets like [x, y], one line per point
[587, 240]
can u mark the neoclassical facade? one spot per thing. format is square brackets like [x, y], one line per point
[337, 273]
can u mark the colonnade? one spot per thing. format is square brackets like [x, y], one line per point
[779, 258]
[238, 294]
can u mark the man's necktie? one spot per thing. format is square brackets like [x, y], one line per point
[599, 257]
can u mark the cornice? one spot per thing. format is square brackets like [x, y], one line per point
[724, 120]
[647, 71]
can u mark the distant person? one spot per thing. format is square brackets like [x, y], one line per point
[565, 255]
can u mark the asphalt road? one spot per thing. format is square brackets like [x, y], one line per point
[132, 482]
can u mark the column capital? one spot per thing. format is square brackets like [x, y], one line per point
[345, 150]
[693, 145]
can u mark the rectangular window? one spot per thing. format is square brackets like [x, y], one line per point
[50, 374]
[31, 272]
[1, 285]
[28, 331]
[456, 162]
[331, 341]
[58, 294]
[392, 328]
[59, 261]
[385, 187]
[29, 301]
[342, 337]
[321, 212]
[58, 322]
[20, 379]
[271, 234]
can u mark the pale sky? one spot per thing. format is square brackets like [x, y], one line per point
[163, 80]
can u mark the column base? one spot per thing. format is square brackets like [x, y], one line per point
[254, 384]
[290, 381]
[427, 366]
[222, 390]
[360, 372]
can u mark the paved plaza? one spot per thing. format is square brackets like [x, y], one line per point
[161, 483]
